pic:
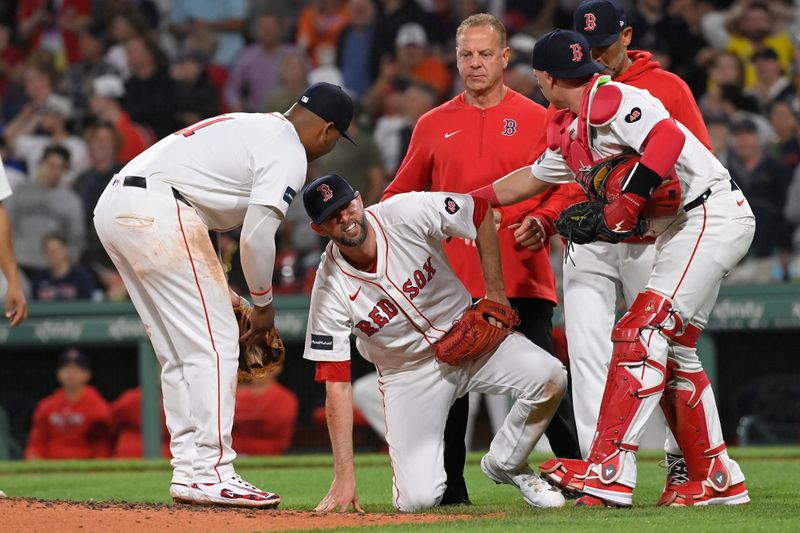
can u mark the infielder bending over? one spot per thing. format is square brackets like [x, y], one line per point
[385, 277]
[153, 220]
[653, 358]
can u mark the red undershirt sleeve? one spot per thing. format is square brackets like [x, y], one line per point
[333, 371]
[479, 213]
[662, 147]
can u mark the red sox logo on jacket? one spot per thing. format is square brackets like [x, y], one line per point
[326, 191]
[385, 310]
[590, 20]
[509, 127]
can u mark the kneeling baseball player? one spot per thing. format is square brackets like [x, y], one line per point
[385, 278]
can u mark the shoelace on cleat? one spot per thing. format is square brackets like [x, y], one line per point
[677, 471]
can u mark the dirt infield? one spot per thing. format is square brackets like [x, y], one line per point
[33, 516]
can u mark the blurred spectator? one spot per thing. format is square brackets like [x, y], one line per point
[746, 28]
[786, 124]
[395, 13]
[318, 29]
[147, 9]
[259, 428]
[196, 96]
[38, 81]
[126, 420]
[413, 63]
[150, 91]
[76, 83]
[35, 129]
[256, 72]
[361, 165]
[519, 76]
[393, 132]
[64, 279]
[791, 210]
[11, 57]
[719, 131]
[771, 85]
[125, 25]
[288, 10]
[354, 47]
[225, 17]
[105, 104]
[764, 180]
[73, 422]
[54, 26]
[726, 88]
[40, 207]
[104, 144]
[292, 82]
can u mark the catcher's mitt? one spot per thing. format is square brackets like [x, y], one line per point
[473, 336]
[265, 355]
[584, 222]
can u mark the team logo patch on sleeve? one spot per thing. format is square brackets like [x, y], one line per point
[321, 342]
[451, 206]
[634, 115]
[288, 195]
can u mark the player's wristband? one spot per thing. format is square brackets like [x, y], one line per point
[488, 194]
[642, 181]
[262, 298]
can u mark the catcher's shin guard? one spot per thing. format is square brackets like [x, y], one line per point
[635, 381]
[692, 417]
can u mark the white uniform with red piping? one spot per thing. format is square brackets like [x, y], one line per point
[161, 247]
[396, 313]
[694, 251]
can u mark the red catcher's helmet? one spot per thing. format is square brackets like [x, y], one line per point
[604, 180]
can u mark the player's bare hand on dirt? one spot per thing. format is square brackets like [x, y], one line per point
[16, 306]
[262, 320]
[530, 233]
[342, 493]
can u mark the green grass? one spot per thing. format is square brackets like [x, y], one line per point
[773, 481]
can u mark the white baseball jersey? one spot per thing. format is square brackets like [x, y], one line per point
[5, 188]
[413, 297]
[223, 164]
[635, 117]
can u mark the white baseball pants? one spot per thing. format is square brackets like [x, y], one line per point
[165, 257]
[416, 403]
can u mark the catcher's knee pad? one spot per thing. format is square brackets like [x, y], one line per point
[633, 376]
[698, 434]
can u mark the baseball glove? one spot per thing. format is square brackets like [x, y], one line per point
[263, 357]
[473, 336]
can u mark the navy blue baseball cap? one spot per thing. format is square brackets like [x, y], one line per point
[564, 54]
[325, 196]
[330, 103]
[600, 21]
[75, 357]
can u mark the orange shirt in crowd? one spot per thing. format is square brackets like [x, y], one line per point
[126, 418]
[70, 430]
[434, 73]
[264, 420]
[318, 32]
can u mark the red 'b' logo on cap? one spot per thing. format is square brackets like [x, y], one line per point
[577, 53]
[326, 191]
[590, 20]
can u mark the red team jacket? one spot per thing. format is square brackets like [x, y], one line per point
[458, 147]
[258, 427]
[644, 73]
[126, 418]
[64, 430]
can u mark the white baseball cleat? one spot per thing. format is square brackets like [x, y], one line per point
[535, 491]
[233, 492]
[181, 493]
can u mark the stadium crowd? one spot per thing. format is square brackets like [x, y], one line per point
[85, 85]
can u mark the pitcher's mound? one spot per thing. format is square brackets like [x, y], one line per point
[32, 516]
